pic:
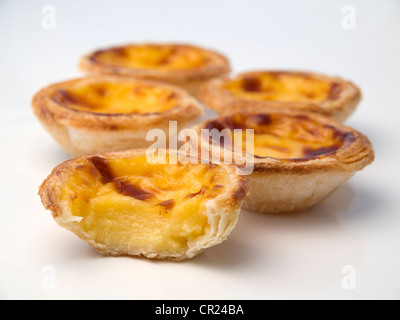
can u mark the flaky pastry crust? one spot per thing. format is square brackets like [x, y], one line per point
[280, 185]
[342, 98]
[189, 78]
[82, 131]
[222, 211]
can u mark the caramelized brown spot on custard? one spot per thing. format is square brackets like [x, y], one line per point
[200, 192]
[101, 90]
[64, 98]
[167, 204]
[171, 96]
[129, 189]
[103, 168]
[218, 186]
[251, 84]
[117, 51]
[226, 123]
[260, 119]
[121, 185]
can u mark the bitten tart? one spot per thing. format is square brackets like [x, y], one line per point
[130, 203]
[297, 159]
[180, 64]
[300, 91]
[111, 113]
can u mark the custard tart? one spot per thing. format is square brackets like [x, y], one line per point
[296, 159]
[111, 113]
[300, 91]
[130, 203]
[184, 65]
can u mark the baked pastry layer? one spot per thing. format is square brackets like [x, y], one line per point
[109, 113]
[127, 203]
[184, 65]
[298, 158]
[301, 91]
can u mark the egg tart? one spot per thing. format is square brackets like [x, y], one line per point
[300, 91]
[297, 159]
[180, 64]
[111, 113]
[130, 203]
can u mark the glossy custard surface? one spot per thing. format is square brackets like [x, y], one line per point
[115, 97]
[281, 86]
[153, 56]
[284, 136]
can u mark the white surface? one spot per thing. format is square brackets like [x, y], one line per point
[300, 256]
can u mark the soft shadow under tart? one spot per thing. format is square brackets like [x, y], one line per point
[299, 158]
[111, 113]
[184, 65]
[126, 203]
[301, 91]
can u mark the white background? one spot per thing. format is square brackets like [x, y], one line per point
[266, 257]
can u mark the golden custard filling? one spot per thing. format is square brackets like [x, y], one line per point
[281, 86]
[116, 98]
[131, 203]
[166, 57]
[283, 136]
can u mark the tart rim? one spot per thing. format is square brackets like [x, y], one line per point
[219, 65]
[351, 157]
[48, 110]
[218, 98]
